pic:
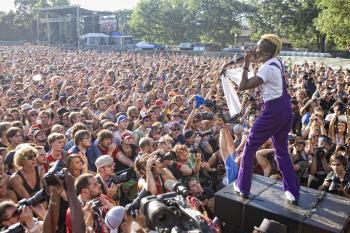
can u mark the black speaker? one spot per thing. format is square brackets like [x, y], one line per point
[316, 212]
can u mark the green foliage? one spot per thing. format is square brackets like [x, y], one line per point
[175, 21]
[334, 21]
[290, 19]
[123, 17]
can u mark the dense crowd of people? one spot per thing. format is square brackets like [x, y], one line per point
[94, 130]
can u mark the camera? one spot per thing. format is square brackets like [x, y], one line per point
[54, 173]
[95, 203]
[170, 212]
[335, 185]
[132, 208]
[205, 115]
[194, 150]
[171, 155]
[205, 133]
[38, 198]
[320, 152]
[15, 228]
[120, 177]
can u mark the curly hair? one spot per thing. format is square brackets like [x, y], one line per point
[23, 153]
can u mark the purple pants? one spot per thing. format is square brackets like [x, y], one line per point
[275, 122]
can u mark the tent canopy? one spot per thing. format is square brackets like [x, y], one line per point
[94, 35]
[145, 45]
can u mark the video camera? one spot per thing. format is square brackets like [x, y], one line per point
[170, 212]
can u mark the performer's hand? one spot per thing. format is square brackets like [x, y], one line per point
[249, 54]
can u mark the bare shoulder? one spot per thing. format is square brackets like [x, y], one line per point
[15, 179]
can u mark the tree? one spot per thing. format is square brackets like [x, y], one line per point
[175, 21]
[56, 3]
[334, 21]
[219, 20]
[290, 19]
[146, 18]
[123, 19]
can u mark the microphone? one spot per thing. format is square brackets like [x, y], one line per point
[237, 59]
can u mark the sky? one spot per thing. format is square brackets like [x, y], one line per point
[99, 5]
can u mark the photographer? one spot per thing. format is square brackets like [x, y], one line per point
[152, 172]
[186, 163]
[10, 216]
[199, 142]
[105, 169]
[338, 180]
[94, 203]
[319, 165]
[204, 195]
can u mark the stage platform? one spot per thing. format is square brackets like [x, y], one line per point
[316, 212]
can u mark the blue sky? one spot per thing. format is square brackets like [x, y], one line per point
[108, 5]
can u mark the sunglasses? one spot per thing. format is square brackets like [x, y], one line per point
[175, 129]
[30, 157]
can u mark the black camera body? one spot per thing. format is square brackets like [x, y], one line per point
[320, 152]
[15, 228]
[54, 173]
[335, 185]
[194, 149]
[95, 204]
[36, 199]
[205, 116]
[171, 155]
[120, 177]
[205, 133]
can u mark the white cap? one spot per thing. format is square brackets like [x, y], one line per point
[114, 218]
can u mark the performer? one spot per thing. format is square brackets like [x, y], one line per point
[276, 120]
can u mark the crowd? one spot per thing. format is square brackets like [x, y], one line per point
[94, 130]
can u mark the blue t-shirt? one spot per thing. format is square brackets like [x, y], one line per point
[231, 169]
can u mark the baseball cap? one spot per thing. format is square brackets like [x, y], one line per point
[159, 102]
[26, 106]
[114, 218]
[103, 160]
[121, 118]
[126, 135]
[174, 124]
[238, 129]
[188, 133]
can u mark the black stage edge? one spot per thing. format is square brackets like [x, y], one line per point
[316, 212]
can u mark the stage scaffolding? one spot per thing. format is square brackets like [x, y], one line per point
[64, 25]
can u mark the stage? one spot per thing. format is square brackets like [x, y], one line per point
[316, 212]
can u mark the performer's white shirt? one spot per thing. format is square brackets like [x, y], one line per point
[272, 88]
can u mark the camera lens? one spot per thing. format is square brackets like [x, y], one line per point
[160, 215]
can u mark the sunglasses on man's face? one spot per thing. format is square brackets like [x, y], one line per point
[30, 157]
